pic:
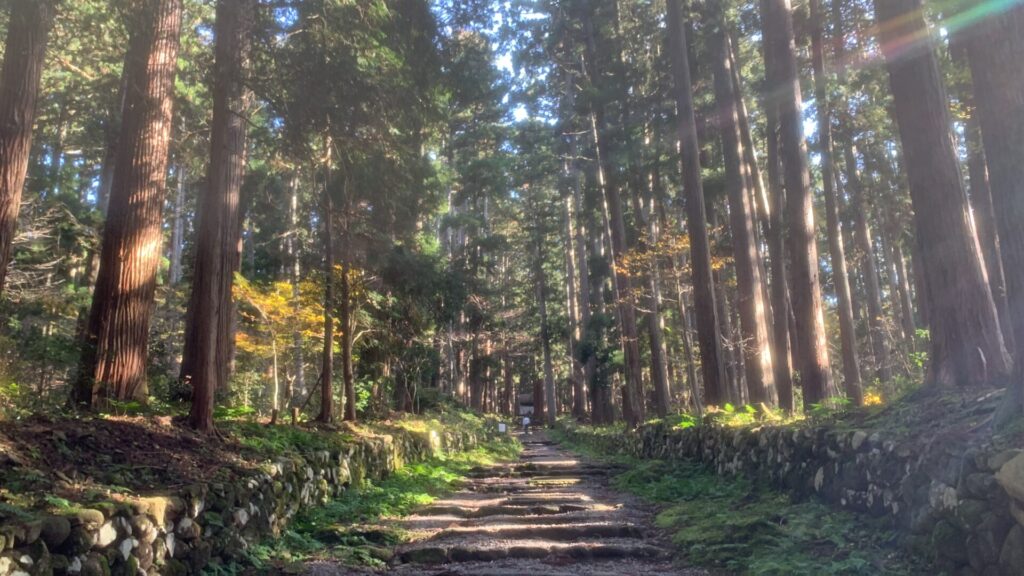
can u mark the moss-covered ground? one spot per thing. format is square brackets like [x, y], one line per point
[743, 527]
[352, 529]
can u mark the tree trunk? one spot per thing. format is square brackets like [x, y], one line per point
[327, 365]
[995, 54]
[633, 408]
[28, 31]
[746, 255]
[967, 344]
[551, 412]
[708, 336]
[844, 309]
[113, 364]
[655, 329]
[299, 386]
[812, 345]
[347, 324]
[212, 306]
[177, 229]
[783, 360]
[576, 377]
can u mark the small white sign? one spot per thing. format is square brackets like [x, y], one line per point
[502, 428]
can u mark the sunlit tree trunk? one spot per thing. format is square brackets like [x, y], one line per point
[28, 30]
[844, 309]
[348, 324]
[746, 254]
[708, 336]
[113, 364]
[812, 346]
[967, 344]
[996, 51]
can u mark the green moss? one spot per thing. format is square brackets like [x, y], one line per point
[747, 528]
[338, 530]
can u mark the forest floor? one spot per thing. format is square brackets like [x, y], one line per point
[548, 513]
[49, 464]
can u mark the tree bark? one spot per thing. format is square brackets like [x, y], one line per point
[779, 288]
[347, 323]
[633, 407]
[220, 223]
[995, 52]
[844, 309]
[327, 358]
[967, 344]
[551, 412]
[177, 229]
[751, 305]
[708, 335]
[113, 364]
[28, 31]
[806, 302]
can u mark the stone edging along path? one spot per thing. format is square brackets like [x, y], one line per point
[959, 504]
[179, 534]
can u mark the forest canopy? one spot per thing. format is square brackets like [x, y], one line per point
[614, 210]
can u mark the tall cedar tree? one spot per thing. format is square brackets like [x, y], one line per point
[967, 344]
[811, 342]
[746, 255]
[28, 31]
[208, 329]
[783, 360]
[847, 329]
[113, 363]
[632, 397]
[708, 336]
[995, 51]
[327, 366]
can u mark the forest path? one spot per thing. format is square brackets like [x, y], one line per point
[548, 514]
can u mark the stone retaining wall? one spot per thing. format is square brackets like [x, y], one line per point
[959, 504]
[182, 533]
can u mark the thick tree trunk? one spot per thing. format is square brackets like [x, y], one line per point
[113, 362]
[327, 358]
[211, 305]
[783, 359]
[844, 309]
[28, 31]
[996, 51]
[967, 344]
[812, 345]
[746, 255]
[708, 336]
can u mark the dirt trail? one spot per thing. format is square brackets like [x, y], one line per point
[549, 514]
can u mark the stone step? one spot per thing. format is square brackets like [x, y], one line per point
[530, 549]
[556, 533]
[502, 510]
